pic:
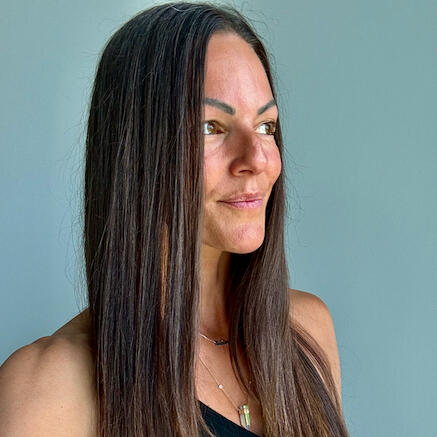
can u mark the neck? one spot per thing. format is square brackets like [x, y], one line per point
[215, 268]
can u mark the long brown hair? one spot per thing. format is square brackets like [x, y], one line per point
[143, 206]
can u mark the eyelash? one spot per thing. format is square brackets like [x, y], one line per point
[271, 123]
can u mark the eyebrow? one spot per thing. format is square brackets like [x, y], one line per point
[230, 110]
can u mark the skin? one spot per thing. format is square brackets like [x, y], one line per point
[47, 387]
[241, 155]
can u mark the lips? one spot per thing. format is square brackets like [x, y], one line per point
[245, 197]
[247, 200]
[246, 204]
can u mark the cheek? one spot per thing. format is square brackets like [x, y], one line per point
[211, 173]
[275, 165]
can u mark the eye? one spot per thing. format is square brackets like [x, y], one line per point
[271, 128]
[211, 127]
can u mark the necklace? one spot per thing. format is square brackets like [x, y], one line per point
[216, 342]
[243, 410]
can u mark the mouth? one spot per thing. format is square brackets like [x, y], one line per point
[245, 204]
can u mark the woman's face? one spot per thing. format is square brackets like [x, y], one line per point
[241, 155]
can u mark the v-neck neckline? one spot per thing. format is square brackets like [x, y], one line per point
[228, 422]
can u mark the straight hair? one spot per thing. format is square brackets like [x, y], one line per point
[143, 215]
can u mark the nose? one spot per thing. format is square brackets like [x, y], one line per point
[249, 154]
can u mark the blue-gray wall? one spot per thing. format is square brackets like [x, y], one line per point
[357, 84]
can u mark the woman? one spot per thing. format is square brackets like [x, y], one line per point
[190, 322]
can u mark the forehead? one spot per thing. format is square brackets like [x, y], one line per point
[234, 73]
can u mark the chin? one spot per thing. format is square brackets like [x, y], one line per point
[236, 239]
[244, 250]
[245, 245]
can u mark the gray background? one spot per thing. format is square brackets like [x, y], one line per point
[357, 89]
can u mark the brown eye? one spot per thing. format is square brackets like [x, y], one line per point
[271, 128]
[211, 128]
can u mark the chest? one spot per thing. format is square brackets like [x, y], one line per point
[214, 369]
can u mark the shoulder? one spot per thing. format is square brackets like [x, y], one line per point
[47, 388]
[310, 311]
[313, 315]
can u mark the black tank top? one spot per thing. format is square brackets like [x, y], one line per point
[221, 426]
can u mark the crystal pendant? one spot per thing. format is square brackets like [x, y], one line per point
[243, 411]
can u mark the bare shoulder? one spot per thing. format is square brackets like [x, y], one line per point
[311, 312]
[47, 388]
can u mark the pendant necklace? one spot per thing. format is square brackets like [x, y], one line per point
[243, 410]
